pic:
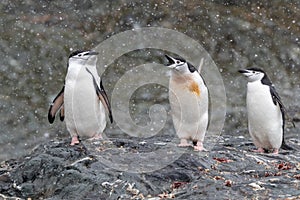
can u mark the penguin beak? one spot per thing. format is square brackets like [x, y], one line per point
[93, 53]
[245, 72]
[171, 61]
[242, 71]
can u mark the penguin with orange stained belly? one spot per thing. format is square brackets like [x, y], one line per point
[189, 101]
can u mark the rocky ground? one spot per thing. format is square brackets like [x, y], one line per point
[55, 170]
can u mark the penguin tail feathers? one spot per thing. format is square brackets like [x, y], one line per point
[293, 123]
[286, 147]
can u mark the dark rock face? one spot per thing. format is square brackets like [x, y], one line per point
[55, 170]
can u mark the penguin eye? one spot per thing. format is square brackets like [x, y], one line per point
[79, 55]
[177, 62]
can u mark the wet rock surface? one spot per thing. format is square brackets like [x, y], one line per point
[55, 170]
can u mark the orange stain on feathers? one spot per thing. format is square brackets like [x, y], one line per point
[193, 87]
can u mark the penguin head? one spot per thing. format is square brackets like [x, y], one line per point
[180, 65]
[253, 74]
[81, 56]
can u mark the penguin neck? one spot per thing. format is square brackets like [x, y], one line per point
[73, 71]
[181, 78]
[75, 67]
[91, 64]
[91, 67]
[258, 90]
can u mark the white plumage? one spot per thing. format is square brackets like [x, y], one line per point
[83, 98]
[266, 113]
[264, 117]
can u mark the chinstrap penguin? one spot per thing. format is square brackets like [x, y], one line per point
[266, 113]
[189, 101]
[82, 100]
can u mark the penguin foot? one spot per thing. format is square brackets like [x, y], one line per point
[199, 147]
[74, 141]
[184, 143]
[98, 136]
[275, 151]
[259, 150]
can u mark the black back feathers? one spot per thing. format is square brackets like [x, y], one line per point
[74, 53]
[191, 67]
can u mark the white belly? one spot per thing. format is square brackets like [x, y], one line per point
[189, 110]
[84, 113]
[264, 118]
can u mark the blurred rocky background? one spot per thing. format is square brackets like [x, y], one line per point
[37, 37]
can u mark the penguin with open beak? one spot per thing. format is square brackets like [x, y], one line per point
[189, 101]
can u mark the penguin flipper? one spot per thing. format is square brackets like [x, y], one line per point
[104, 99]
[56, 105]
[276, 98]
[102, 96]
[62, 113]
